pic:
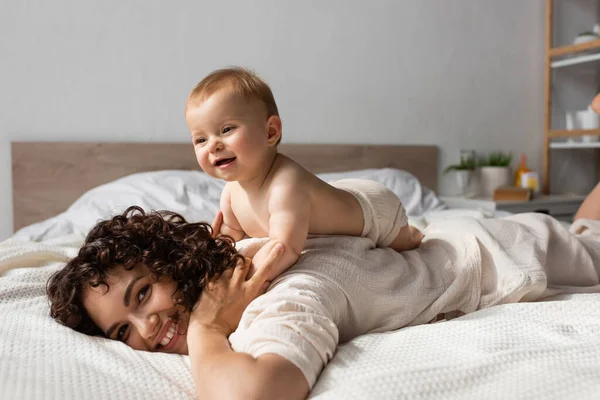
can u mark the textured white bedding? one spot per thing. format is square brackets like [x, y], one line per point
[548, 350]
[545, 350]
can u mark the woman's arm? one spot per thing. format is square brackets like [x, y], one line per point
[221, 373]
[218, 371]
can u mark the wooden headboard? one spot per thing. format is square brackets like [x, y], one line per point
[48, 176]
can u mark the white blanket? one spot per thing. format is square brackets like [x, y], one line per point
[342, 287]
[541, 350]
[546, 350]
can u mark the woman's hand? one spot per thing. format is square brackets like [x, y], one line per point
[224, 299]
[220, 372]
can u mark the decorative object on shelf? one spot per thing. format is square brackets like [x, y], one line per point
[589, 139]
[511, 193]
[521, 170]
[588, 36]
[530, 180]
[462, 172]
[583, 119]
[495, 171]
[468, 154]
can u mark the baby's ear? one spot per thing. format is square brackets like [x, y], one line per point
[273, 130]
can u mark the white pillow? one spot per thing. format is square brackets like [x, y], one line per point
[416, 198]
[195, 195]
[192, 194]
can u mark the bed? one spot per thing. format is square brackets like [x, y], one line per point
[548, 349]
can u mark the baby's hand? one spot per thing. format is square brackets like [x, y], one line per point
[221, 228]
[217, 223]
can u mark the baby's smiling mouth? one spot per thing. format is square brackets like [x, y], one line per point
[224, 161]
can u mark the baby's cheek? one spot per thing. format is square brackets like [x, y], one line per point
[201, 158]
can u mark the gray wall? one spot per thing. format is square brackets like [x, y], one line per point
[456, 73]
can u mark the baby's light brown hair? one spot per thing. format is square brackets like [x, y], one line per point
[240, 81]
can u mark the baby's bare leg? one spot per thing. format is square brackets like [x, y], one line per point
[409, 238]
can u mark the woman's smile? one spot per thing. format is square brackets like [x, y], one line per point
[168, 336]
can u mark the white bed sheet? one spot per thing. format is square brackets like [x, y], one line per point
[547, 350]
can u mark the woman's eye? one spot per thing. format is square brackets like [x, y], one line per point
[121, 332]
[143, 293]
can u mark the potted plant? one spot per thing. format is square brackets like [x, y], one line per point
[495, 171]
[462, 172]
[588, 36]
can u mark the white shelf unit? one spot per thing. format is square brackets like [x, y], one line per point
[575, 60]
[558, 57]
[575, 145]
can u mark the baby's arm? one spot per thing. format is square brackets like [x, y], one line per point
[230, 225]
[289, 209]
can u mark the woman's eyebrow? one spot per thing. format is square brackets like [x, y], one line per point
[126, 297]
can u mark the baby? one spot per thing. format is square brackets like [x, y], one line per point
[235, 129]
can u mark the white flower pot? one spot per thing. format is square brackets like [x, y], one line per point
[494, 177]
[584, 39]
[463, 178]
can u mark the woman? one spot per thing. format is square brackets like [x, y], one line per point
[596, 103]
[158, 283]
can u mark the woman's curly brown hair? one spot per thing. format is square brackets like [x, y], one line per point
[163, 241]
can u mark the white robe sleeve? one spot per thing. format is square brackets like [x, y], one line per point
[294, 322]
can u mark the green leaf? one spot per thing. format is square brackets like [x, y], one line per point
[496, 159]
[465, 164]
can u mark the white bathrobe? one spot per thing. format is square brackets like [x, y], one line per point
[343, 287]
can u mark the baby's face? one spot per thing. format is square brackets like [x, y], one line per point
[139, 311]
[231, 135]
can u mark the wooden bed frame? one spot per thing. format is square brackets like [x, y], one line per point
[48, 176]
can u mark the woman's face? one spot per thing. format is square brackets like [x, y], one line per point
[139, 311]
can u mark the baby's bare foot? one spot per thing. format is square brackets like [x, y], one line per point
[409, 238]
